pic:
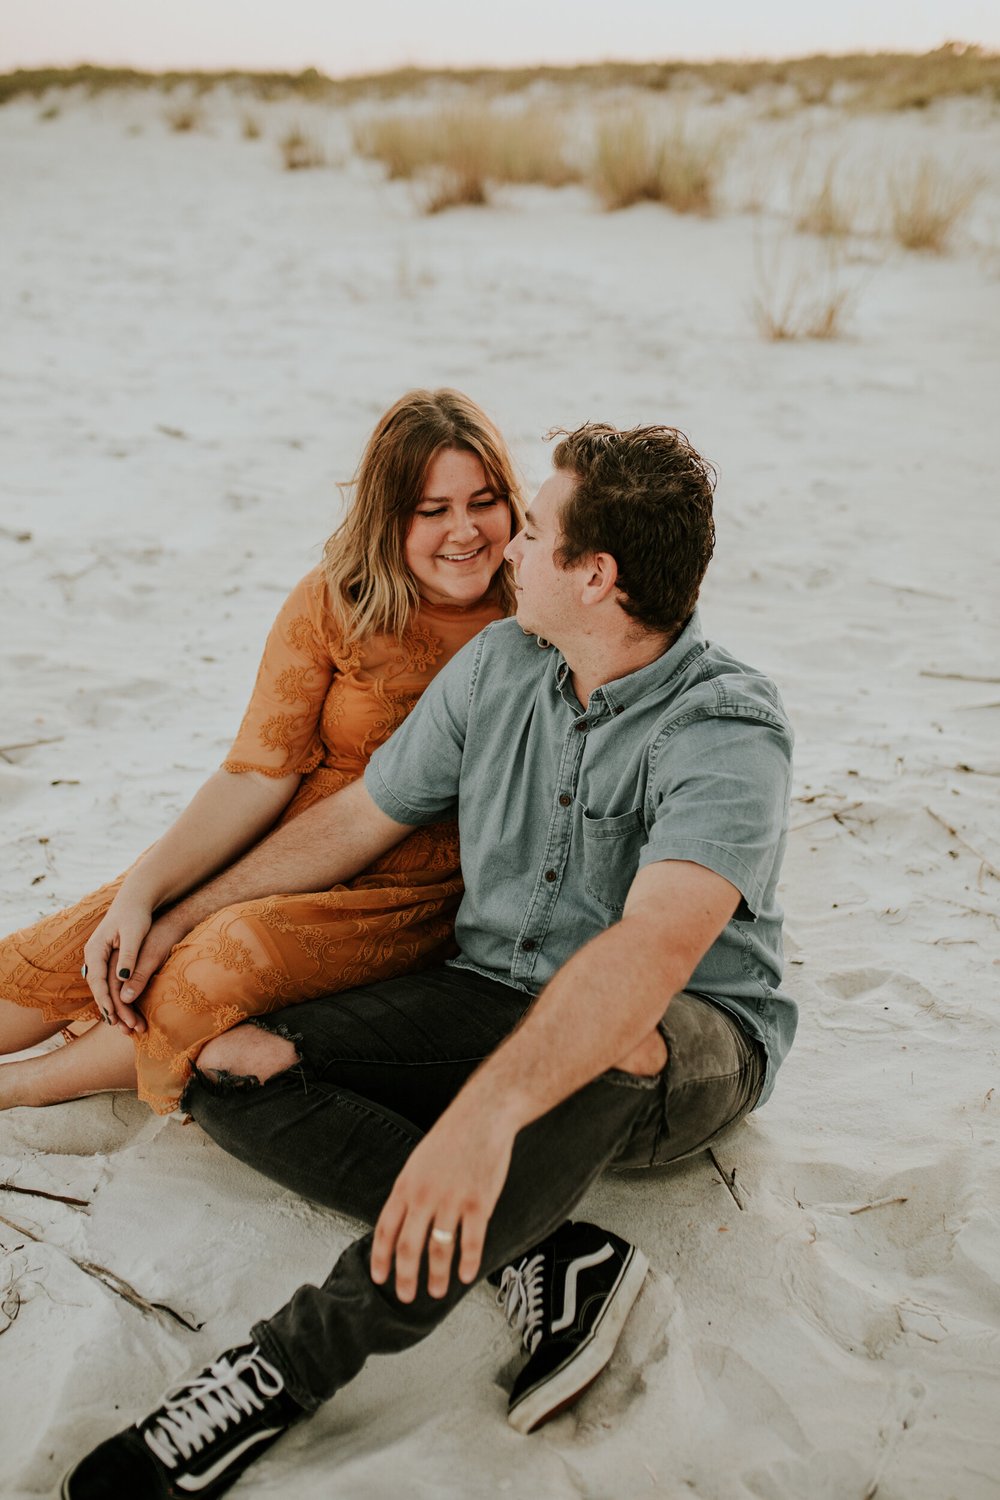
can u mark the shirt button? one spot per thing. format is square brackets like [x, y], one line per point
[529, 945]
[581, 726]
[550, 874]
[565, 800]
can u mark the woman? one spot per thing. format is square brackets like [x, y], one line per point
[414, 571]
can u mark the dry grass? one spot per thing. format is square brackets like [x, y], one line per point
[829, 210]
[300, 152]
[873, 80]
[453, 187]
[394, 140]
[927, 202]
[798, 297]
[461, 154]
[915, 82]
[635, 163]
[250, 128]
[183, 118]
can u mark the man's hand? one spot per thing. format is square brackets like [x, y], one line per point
[451, 1183]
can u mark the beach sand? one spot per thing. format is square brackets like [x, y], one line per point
[196, 344]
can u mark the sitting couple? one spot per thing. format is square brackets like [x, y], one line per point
[610, 996]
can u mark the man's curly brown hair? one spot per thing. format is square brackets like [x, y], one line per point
[644, 495]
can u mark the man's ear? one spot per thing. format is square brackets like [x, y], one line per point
[601, 578]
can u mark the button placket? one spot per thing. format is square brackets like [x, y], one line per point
[554, 856]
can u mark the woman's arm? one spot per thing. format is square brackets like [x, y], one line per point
[224, 818]
[279, 740]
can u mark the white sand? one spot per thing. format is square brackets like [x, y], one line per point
[195, 345]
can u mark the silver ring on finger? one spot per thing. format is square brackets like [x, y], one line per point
[442, 1236]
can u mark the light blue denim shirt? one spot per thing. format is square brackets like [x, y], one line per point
[689, 758]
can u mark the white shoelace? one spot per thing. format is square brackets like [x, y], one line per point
[520, 1296]
[193, 1413]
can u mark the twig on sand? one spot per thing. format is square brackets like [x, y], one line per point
[958, 676]
[729, 1178]
[11, 1187]
[970, 911]
[880, 1203]
[5, 750]
[909, 588]
[964, 842]
[10, 1301]
[837, 813]
[109, 1279]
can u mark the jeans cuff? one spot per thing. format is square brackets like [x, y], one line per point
[275, 1354]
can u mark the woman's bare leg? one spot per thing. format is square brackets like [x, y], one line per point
[100, 1060]
[22, 1026]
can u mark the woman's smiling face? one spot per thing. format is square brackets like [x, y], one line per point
[458, 531]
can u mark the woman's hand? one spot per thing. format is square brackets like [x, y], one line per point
[230, 812]
[163, 935]
[110, 955]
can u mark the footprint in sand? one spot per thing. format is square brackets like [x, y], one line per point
[881, 1000]
[84, 1127]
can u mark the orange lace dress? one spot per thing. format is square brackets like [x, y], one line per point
[318, 709]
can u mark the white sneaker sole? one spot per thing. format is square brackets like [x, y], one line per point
[573, 1378]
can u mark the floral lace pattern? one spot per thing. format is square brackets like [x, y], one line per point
[319, 709]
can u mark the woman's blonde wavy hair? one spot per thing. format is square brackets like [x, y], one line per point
[371, 589]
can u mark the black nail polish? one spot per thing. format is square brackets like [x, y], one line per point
[124, 973]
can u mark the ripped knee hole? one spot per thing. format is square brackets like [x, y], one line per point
[246, 1055]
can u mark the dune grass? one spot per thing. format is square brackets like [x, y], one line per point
[299, 151]
[460, 154]
[800, 296]
[829, 210]
[184, 118]
[634, 162]
[927, 203]
[884, 80]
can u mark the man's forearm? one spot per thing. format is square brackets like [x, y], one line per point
[599, 1006]
[322, 847]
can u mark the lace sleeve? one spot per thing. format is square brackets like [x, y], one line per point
[280, 732]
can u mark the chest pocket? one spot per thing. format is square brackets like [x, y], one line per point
[611, 849]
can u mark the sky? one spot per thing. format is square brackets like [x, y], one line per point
[351, 36]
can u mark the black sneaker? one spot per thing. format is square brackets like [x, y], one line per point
[198, 1442]
[568, 1300]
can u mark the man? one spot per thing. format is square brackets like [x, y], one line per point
[622, 791]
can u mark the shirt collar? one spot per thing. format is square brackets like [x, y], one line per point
[623, 692]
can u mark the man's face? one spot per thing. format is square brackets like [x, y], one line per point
[548, 596]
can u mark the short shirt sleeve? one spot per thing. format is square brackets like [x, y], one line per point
[280, 732]
[415, 776]
[718, 796]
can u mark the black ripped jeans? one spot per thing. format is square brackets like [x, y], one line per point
[377, 1066]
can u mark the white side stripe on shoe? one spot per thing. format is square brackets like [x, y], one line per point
[582, 1263]
[196, 1482]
